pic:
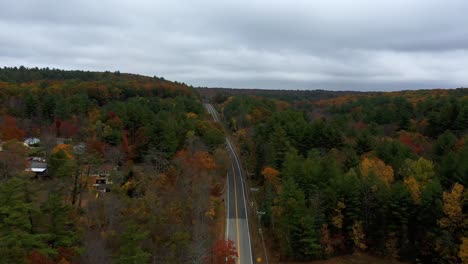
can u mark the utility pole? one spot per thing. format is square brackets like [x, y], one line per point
[260, 213]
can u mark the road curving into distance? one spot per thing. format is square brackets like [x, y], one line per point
[237, 222]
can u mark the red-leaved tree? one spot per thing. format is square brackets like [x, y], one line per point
[69, 129]
[409, 142]
[58, 124]
[35, 257]
[222, 252]
[9, 130]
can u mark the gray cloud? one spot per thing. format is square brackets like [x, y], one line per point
[297, 44]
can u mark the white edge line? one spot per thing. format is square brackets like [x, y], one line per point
[245, 204]
[227, 212]
[243, 192]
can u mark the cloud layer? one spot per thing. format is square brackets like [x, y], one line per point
[295, 44]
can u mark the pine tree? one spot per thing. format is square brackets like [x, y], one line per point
[16, 224]
[60, 231]
[280, 145]
[288, 212]
[131, 251]
[308, 244]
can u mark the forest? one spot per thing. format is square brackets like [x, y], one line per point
[377, 173]
[133, 166]
[110, 167]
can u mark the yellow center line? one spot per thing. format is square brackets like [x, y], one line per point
[237, 216]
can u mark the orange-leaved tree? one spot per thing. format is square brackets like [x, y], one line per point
[272, 176]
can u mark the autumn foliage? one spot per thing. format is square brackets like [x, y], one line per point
[222, 252]
[272, 176]
[69, 129]
[200, 160]
[127, 129]
[407, 140]
[66, 148]
[96, 146]
[9, 129]
[358, 236]
[36, 257]
[378, 168]
[453, 209]
[415, 189]
[463, 252]
[334, 172]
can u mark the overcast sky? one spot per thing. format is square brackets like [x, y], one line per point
[290, 44]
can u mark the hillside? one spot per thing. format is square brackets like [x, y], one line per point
[106, 168]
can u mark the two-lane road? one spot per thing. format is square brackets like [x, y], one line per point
[237, 223]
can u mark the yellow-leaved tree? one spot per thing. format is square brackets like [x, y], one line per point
[358, 236]
[422, 169]
[326, 241]
[415, 189]
[378, 168]
[453, 209]
[463, 252]
[418, 173]
[454, 220]
[66, 148]
[338, 217]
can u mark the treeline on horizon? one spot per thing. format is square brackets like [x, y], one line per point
[156, 146]
[383, 173]
[219, 95]
[23, 74]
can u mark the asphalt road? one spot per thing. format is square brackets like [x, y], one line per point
[237, 223]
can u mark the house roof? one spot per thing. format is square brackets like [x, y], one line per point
[37, 164]
[31, 141]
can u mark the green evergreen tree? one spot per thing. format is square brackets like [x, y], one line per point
[169, 142]
[60, 230]
[399, 211]
[364, 143]
[290, 209]
[60, 165]
[131, 251]
[18, 236]
[454, 168]
[279, 146]
[31, 105]
[308, 245]
[444, 144]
